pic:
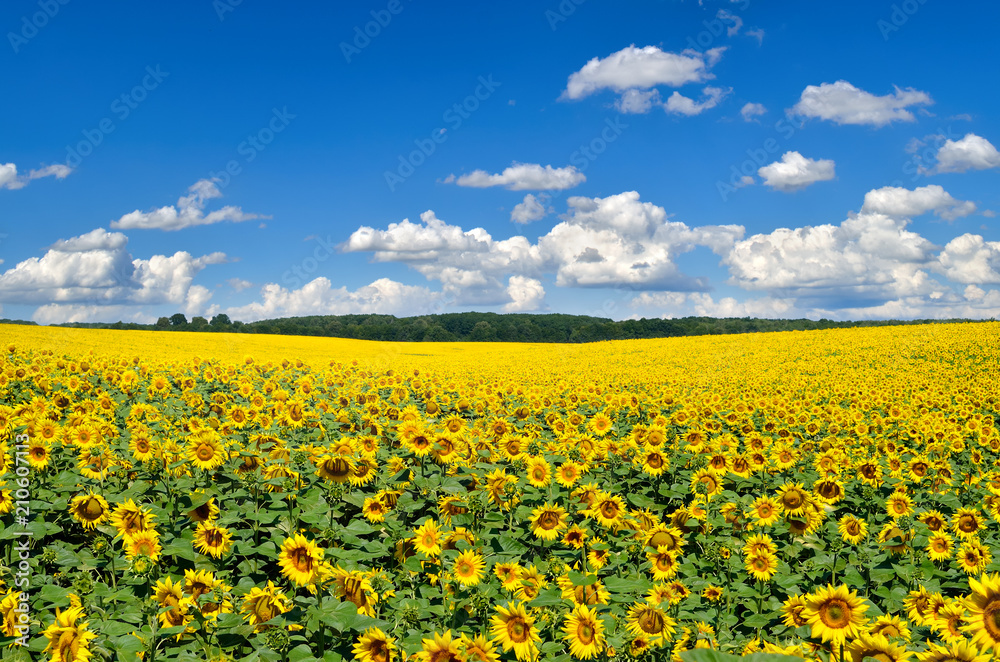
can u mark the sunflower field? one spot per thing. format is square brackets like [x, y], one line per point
[828, 495]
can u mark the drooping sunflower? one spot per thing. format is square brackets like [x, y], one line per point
[712, 593]
[599, 553]
[835, 614]
[374, 646]
[852, 529]
[509, 575]
[584, 632]
[130, 519]
[793, 499]
[206, 512]
[583, 594]
[891, 626]
[69, 641]
[948, 620]
[934, 520]
[651, 622]
[300, 559]
[335, 468]
[514, 629]
[575, 537]
[917, 604]
[468, 568]
[531, 584]
[89, 509]
[353, 586]
[262, 604]
[547, 521]
[984, 611]
[212, 540]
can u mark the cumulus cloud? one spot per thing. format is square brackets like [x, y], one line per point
[62, 313]
[637, 101]
[526, 294]
[670, 305]
[682, 105]
[96, 269]
[601, 242]
[751, 110]
[970, 259]
[319, 297]
[528, 210]
[794, 172]
[842, 103]
[239, 284]
[189, 211]
[9, 178]
[641, 68]
[523, 177]
[898, 201]
[970, 153]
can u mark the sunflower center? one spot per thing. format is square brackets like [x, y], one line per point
[517, 630]
[205, 452]
[609, 509]
[213, 538]
[792, 500]
[651, 622]
[654, 460]
[92, 509]
[991, 620]
[835, 614]
[264, 609]
[585, 633]
[853, 527]
[303, 560]
[548, 521]
[967, 524]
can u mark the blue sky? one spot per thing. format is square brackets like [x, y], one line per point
[635, 159]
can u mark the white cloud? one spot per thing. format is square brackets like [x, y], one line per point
[701, 304]
[869, 257]
[525, 294]
[842, 103]
[189, 212]
[641, 68]
[96, 269]
[528, 210]
[757, 34]
[9, 178]
[971, 259]
[637, 101]
[970, 153]
[794, 172]
[898, 201]
[682, 105]
[752, 110]
[524, 176]
[319, 297]
[601, 242]
[61, 313]
[239, 284]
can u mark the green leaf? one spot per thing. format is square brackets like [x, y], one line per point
[301, 653]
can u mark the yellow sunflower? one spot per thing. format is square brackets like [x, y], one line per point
[584, 632]
[793, 499]
[262, 604]
[130, 519]
[940, 546]
[427, 538]
[212, 540]
[300, 559]
[547, 521]
[984, 611]
[374, 646]
[835, 614]
[538, 471]
[478, 649]
[664, 563]
[765, 510]
[206, 450]
[143, 543]
[69, 641]
[761, 567]
[957, 652]
[876, 647]
[89, 509]
[514, 629]
[468, 568]
[651, 622]
[852, 529]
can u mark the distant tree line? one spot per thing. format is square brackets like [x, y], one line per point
[493, 327]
